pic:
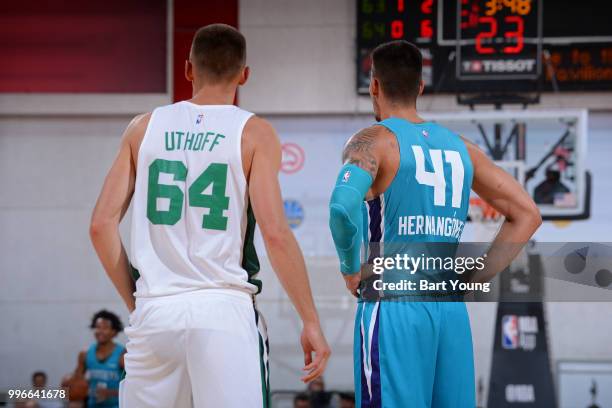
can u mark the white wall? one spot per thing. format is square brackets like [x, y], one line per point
[51, 170]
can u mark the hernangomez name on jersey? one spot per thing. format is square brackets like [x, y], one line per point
[192, 226]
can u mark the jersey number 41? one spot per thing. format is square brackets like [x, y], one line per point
[436, 178]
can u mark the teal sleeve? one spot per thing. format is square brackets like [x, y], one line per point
[346, 215]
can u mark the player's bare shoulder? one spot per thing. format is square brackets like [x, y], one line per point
[137, 127]
[475, 153]
[366, 147]
[134, 133]
[259, 135]
[259, 131]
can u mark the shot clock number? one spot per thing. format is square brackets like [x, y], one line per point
[485, 35]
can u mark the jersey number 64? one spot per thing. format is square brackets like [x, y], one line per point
[215, 174]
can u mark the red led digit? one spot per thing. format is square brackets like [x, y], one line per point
[426, 29]
[518, 34]
[427, 6]
[397, 29]
[400, 5]
[482, 49]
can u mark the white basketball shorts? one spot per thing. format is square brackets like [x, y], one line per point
[206, 348]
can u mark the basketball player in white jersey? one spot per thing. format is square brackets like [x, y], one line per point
[198, 171]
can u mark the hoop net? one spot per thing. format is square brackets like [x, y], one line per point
[485, 218]
[482, 212]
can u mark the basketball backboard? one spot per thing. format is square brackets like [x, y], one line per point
[545, 150]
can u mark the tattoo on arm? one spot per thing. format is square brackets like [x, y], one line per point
[360, 151]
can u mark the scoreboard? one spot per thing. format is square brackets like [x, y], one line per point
[494, 45]
[498, 39]
[379, 21]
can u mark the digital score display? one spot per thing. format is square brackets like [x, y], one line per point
[499, 39]
[493, 46]
[379, 21]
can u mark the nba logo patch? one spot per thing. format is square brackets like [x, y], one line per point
[510, 332]
[347, 175]
[425, 133]
[199, 119]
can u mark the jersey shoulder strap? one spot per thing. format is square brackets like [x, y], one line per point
[395, 125]
[90, 358]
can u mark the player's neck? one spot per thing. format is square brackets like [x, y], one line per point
[106, 345]
[218, 94]
[398, 111]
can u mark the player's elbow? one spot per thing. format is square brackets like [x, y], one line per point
[344, 214]
[534, 216]
[95, 230]
[275, 236]
[343, 202]
[528, 214]
[98, 226]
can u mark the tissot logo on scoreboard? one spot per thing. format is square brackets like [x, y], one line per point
[498, 39]
[494, 66]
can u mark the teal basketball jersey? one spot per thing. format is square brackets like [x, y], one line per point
[103, 374]
[428, 199]
[413, 350]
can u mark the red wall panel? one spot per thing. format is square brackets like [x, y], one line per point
[83, 46]
[189, 15]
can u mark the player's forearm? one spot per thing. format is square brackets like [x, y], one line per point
[107, 243]
[288, 263]
[345, 216]
[508, 243]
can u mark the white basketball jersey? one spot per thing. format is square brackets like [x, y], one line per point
[192, 227]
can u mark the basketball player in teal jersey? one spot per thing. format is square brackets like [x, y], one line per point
[102, 362]
[198, 173]
[416, 177]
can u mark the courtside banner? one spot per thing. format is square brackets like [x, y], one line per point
[411, 271]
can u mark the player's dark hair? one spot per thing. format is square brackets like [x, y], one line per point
[39, 374]
[397, 65]
[301, 396]
[111, 317]
[219, 50]
[348, 396]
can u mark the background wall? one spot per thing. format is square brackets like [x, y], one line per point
[55, 151]
[51, 170]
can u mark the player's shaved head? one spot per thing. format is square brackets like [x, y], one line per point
[397, 65]
[218, 51]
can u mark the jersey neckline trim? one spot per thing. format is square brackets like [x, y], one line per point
[407, 121]
[195, 105]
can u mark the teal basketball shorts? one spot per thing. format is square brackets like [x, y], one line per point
[413, 354]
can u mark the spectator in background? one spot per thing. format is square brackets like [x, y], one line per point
[319, 398]
[347, 400]
[39, 380]
[102, 363]
[301, 400]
